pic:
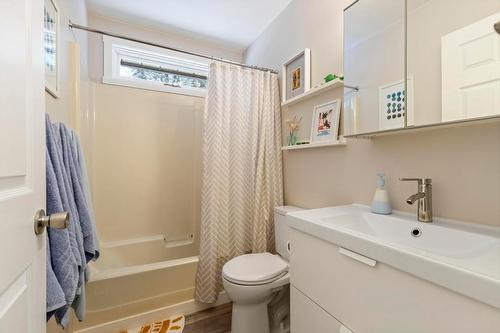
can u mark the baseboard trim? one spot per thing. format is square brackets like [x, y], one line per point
[185, 308]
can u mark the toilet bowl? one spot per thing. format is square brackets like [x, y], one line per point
[252, 280]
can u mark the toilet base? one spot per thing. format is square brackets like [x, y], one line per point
[250, 318]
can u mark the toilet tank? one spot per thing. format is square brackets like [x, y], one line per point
[281, 229]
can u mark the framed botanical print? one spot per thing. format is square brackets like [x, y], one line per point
[51, 46]
[297, 75]
[325, 122]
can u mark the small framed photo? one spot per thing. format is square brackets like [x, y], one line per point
[51, 46]
[325, 122]
[297, 75]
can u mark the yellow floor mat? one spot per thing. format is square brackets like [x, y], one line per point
[173, 324]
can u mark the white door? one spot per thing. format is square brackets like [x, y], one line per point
[22, 166]
[471, 71]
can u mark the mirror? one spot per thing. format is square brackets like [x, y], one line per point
[454, 59]
[448, 51]
[374, 53]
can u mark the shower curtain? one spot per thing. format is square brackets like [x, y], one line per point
[242, 176]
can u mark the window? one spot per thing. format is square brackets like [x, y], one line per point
[147, 67]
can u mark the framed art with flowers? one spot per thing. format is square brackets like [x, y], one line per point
[325, 122]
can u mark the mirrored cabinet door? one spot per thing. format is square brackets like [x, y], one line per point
[454, 59]
[420, 63]
[374, 61]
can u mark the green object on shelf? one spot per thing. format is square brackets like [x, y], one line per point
[330, 77]
[291, 140]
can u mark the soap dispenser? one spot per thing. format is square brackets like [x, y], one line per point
[380, 204]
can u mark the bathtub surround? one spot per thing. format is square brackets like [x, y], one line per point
[242, 179]
[162, 175]
[462, 157]
[151, 239]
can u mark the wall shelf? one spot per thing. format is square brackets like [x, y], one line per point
[337, 83]
[315, 145]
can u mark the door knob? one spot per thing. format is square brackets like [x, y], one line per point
[56, 221]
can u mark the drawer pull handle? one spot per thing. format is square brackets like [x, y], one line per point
[358, 257]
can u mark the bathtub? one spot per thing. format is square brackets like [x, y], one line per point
[139, 275]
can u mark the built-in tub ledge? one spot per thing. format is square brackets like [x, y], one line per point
[110, 273]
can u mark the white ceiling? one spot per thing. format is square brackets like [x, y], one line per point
[235, 22]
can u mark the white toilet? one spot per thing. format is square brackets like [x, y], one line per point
[252, 280]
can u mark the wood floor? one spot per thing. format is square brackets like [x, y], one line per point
[213, 320]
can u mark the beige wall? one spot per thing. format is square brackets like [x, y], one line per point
[147, 162]
[463, 162]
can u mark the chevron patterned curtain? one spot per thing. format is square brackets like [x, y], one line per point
[242, 175]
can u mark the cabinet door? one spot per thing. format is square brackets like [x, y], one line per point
[381, 299]
[308, 317]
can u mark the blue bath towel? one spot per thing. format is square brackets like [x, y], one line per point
[55, 294]
[68, 198]
[65, 258]
[72, 248]
[85, 184]
[92, 240]
[70, 157]
[70, 146]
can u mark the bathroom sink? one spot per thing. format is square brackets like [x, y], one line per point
[433, 238]
[460, 256]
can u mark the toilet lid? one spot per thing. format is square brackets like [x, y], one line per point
[254, 268]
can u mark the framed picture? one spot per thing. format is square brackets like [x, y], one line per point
[297, 75]
[325, 122]
[51, 46]
[394, 104]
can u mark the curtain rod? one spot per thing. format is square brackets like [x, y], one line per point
[82, 27]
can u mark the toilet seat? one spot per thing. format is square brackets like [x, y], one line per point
[255, 269]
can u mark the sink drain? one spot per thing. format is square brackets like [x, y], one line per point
[416, 232]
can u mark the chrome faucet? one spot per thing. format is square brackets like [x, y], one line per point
[424, 198]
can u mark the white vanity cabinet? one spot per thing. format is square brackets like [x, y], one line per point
[330, 289]
[306, 316]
